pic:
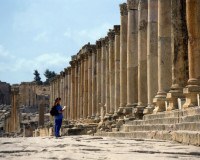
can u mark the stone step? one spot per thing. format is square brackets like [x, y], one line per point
[161, 115]
[186, 137]
[190, 126]
[193, 118]
[173, 114]
[157, 127]
[155, 121]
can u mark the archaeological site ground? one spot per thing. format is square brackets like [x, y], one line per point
[134, 93]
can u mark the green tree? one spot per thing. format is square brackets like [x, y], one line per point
[49, 74]
[37, 78]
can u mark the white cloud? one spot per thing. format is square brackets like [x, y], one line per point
[91, 35]
[4, 53]
[16, 65]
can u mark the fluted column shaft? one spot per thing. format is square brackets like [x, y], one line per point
[164, 54]
[123, 55]
[103, 74]
[85, 97]
[72, 98]
[89, 84]
[111, 36]
[69, 94]
[82, 87]
[107, 78]
[98, 47]
[193, 23]
[117, 67]
[152, 54]
[132, 54]
[142, 56]
[78, 88]
[179, 53]
[94, 84]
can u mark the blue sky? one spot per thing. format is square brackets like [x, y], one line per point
[44, 34]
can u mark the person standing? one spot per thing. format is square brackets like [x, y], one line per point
[59, 117]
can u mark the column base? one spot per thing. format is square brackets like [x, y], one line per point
[138, 111]
[149, 109]
[172, 98]
[159, 102]
[190, 93]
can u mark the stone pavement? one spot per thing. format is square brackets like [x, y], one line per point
[96, 148]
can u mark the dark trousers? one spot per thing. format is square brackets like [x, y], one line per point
[58, 123]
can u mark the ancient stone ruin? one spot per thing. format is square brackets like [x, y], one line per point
[29, 109]
[141, 80]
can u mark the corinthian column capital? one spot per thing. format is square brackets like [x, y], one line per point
[111, 35]
[117, 29]
[123, 9]
[132, 4]
[98, 44]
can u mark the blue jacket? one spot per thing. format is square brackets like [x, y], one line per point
[60, 116]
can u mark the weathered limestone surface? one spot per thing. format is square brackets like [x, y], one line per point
[142, 57]
[107, 105]
[132, 55]
[123, 55]
[88, 147]
[164, 54]
[5, 93]
[89, 84]
[98, 45]
[85, 81]
[103, 76]
[111, 37]
[152, 54]
[193, 22]
[179, 53]
[117, 67]
[72, 103]
[94, 83]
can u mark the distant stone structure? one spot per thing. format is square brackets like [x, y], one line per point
[5, 93]
[30, 103]
[145, 66]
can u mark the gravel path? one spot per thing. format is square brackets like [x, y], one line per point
[93, 148]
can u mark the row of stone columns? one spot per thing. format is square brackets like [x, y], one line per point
[140, 67]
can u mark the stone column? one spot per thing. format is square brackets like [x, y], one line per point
[85, 81]
[81, 85]
[152, 54]
[75, 88]
[117, 67]
[69, 94]
[103, 76]
[132, 56]
[164, 54]
[193, 23]
[89, 84]
[107, 104]
[98, 48]
[41, 112]
[14, 119]
[66, 93]
[94, 84]
[142, 57]
[78, 87]
[123, 56]
[62, 74]
[72, 99]
[179, 53]
[111, 37]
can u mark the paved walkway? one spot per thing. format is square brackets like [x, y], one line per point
[93, 148]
